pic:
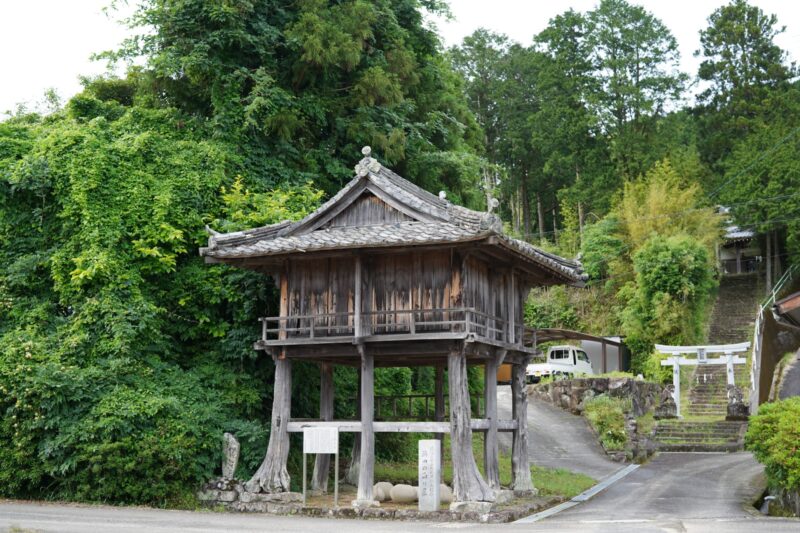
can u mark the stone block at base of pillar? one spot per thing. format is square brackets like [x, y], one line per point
[472, 507]
[365, 504]
[502, 496]
[526, 493]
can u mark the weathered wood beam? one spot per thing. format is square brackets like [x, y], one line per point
[491, 452]
[438, 406]
[520, 462]
[272, 475]
[355, 456]
[468, 485]
[322, 463]
[367, 463]
[354, 426]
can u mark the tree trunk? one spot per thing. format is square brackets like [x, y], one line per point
[322, 463]
[272, 475]
[769, 262]
[526, 205]
[540, 213]
[468, 485]
[776, 250]
[520, 463]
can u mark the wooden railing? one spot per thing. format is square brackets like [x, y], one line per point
[393, 322]
[418, 406]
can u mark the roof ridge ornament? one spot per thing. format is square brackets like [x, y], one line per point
[367, 164]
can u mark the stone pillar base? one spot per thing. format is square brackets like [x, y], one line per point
[472, 507]
[365, 504]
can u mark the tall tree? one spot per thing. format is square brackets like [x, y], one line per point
[741, 67]
[301, 86]
[637, 61]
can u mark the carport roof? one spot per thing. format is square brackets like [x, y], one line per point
[554, 334]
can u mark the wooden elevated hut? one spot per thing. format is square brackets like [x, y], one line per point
[387, 274]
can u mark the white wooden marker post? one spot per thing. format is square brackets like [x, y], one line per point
[322, 440]
[430, 470]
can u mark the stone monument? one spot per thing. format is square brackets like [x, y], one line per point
[230, 456]
[430, 474]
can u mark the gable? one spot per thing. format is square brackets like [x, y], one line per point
[367, 210]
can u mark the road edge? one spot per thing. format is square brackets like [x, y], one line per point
[580, 498]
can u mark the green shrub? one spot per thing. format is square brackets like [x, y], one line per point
[607, 416]
[774, 438]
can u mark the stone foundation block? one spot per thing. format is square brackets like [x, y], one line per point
[472, 507]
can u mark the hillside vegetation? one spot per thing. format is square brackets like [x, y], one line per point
[123, 357]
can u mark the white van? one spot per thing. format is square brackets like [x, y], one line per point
[561, 361]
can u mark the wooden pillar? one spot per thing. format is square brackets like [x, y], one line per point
[322, 464]
[355, 457]
[520, 462]
[438, 405]
[357, 328]
[468, 485]
[605, 355]
[367, 463]
[738, 259]
[491, 451]
[272, 475]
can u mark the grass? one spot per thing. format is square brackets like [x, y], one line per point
[607, 417]
[645, 423]
[614, 374]
[549, 481]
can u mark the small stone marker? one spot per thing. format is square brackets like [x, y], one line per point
[230, 459]
[430, 473]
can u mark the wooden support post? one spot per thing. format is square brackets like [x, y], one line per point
[468, 485]
[520, 462]
[438, 405]
[322, 463]
[676, 382]
[272, 475]
[355, 457]
[357, 329]
[367, 463]
[491, 451]
[605, 355]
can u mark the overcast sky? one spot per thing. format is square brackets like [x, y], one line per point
[48, 43]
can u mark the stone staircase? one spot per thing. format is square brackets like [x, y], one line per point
[708, 396]
[699, 436]
[734, 313]
[704, 427]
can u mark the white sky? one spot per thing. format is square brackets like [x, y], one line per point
[48, 43]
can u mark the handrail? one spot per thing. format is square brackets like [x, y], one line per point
[466, 320]
[758, 336]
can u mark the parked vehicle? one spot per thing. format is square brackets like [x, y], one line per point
[561, 362]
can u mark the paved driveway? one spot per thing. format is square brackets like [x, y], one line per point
[558, 439]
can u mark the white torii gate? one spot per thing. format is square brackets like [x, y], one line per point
[702, 359]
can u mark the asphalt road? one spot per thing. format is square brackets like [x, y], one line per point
[693, 493]
[558, 439]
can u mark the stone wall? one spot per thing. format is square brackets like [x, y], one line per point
[789, 500]
[571, 394]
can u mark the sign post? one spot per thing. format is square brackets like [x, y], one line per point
[430, 473]
[322, 440]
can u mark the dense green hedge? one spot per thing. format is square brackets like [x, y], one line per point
[774, 438]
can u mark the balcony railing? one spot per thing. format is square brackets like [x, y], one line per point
[392, 322]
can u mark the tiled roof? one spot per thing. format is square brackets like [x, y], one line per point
[436, 221]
